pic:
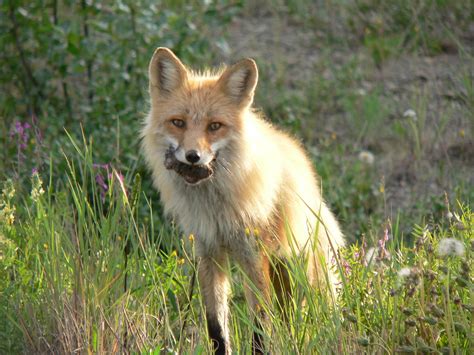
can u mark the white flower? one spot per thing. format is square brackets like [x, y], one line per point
[450, 246]
[404, 272]
[37, 188]
[366, 157]
[410, 114]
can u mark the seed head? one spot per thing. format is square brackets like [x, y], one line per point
[410, 114]
[404, 272]
[450, 247]
[366, 157]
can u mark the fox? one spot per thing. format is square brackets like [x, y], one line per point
[246, 190]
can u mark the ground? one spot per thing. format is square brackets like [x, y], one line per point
[293, 55]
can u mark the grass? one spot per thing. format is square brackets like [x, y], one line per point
[88, 262]
[85, 270]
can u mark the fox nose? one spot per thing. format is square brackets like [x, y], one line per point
[192, 156]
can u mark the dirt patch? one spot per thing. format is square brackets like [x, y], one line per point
[293, 50]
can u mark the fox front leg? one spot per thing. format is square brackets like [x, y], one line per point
[214, 284]
[258, 296]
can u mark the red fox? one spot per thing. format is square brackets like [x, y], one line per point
[223, 172]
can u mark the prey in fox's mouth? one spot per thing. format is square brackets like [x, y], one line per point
[192, 174]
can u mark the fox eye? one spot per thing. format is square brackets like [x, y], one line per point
[178, 123]
[214, 126]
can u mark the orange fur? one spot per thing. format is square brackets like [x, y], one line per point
[263, 182]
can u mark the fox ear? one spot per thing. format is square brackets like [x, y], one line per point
[166, 71]
[239, 81]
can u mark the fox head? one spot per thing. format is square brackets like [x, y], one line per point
[195, 117]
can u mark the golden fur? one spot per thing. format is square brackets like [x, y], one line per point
[263, 181]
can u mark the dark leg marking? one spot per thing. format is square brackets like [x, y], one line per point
[258, 344]
[215, 333]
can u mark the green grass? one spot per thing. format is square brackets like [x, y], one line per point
[86, 270]
[89, 264]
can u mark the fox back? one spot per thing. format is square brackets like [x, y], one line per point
[233, 180]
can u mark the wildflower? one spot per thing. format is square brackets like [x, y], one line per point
[174, 253]
[191, 238]
[21, 130]
[102, 178]
[382, 188]
[7, 214]
[346, 266]
[7, 210]
[462, 133]
[99, 179]
[410, 114]
[366, 157]
[247, 231]
[450, 247]
[37, 188]
[384, 253]
[404, 272]
[181, 261]
[256, 232]
[361, 92]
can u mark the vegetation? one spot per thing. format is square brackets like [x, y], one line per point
[88, 262]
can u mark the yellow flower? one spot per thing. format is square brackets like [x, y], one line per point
[45, 246]
[181, 261]
[382, 188]
[462, 133]
[7, 214]
[191, 237]
[174, 253]
[256, 232]
[247, 231]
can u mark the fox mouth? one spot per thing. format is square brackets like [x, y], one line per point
[192, 174]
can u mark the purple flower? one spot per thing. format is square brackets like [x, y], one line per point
[20, 130]
[384, 253]
[109, 173]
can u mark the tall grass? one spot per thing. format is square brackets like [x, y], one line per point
[83, 269]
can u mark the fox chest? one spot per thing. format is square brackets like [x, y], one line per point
[214, 217]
